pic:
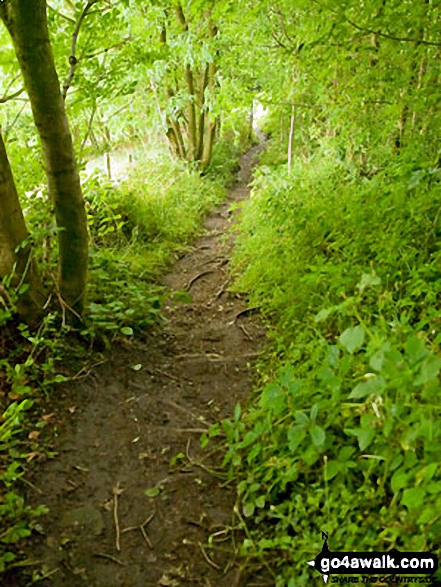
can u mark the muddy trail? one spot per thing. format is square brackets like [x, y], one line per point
[121, 426]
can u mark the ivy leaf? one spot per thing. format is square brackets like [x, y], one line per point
[352, 339]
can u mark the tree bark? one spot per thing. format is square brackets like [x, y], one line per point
[210, 136]
[15, 252]
[203, 115]
[26, 21]
[192, 146]
[291, 138]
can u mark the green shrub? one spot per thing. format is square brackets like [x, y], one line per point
[343, 436]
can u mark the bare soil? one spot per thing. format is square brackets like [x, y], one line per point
[121, 426]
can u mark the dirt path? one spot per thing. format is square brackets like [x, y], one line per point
[121, 427]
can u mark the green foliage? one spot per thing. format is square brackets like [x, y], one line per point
[28, 372]
[136, 226]
[343, 437]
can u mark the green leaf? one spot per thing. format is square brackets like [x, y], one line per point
[399, 480]
[429, 370]
[273, 398]
[415, 348]
[352, 339]
[152, 492]
[332, 469]
[248, 509]
[127, 330]
[428, 515]
[413, 498]
[301, 417]
[318, 435]
[368, 280]
[296, 434]
[365, 437]
[374, 385]
[323, 314]
[260, 501]
[314, 412]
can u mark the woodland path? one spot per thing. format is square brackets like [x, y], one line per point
[119, 428]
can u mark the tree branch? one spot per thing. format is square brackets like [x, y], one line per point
[72, 59]
[61, 15]
[107, 49]
[6, 98]
[393, 37]
[280, 16]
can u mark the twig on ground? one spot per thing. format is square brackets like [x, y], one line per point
[110, 557]
[208, 559]
[201, 465]
[186, 411]
[116, 493]
[142, 529]
[218, 294]
[173, 377]
[85, 371]
[34, 487]
[144, 533]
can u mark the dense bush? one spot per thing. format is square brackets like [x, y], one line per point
[343, 435]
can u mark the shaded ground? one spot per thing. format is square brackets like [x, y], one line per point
[121, 426]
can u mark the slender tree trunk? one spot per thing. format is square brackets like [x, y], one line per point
[291, 138]
[191, 115]
[26, 22]
[179, 138]
[203, 114]
[210, 135]
[192, 146]
[15, 253]
[211, 126]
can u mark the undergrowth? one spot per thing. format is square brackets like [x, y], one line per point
[136, 228]
[343, 434]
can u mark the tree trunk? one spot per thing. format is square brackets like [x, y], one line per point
[210, 135]
[26, 22]
[202, 113]
[15, 252]
[192, 146]
[291, 138]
